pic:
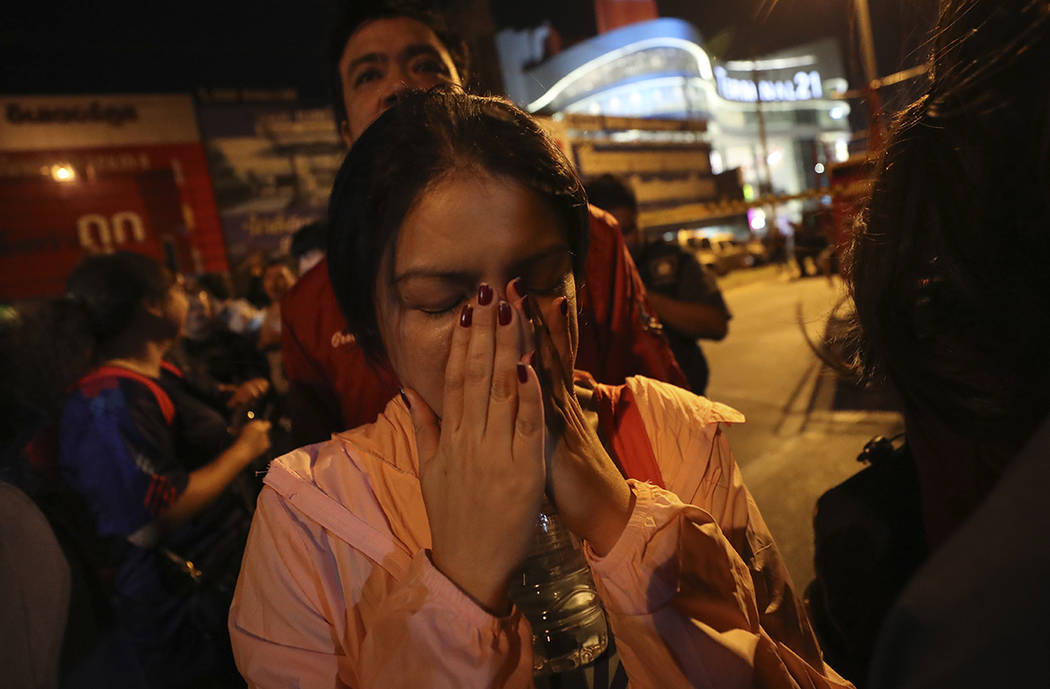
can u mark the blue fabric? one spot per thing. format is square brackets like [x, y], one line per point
[117, 451]
[119, 454]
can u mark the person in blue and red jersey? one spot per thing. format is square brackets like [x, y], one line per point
[378, 53]
[149, 460]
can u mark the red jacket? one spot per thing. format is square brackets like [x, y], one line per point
[333, 387]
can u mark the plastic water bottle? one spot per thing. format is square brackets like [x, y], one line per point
[556, 593]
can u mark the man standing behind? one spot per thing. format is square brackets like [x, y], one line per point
[684, 295]
[378, 52]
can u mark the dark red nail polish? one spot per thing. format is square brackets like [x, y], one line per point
[523, 373]
[503, 313]
[516, 284]
[564, 307]
[404, 398]
[484, 294]
[466, 315]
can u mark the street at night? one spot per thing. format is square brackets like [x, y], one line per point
[412, 344]
[796, 444]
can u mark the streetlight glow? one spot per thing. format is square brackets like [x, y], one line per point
[63, 173]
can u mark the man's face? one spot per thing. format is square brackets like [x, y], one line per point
[383, 58]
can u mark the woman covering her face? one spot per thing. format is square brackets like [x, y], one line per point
[381, 558]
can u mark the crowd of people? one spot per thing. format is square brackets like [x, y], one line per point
[471, 332]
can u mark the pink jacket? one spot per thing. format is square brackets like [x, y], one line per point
[336, 589]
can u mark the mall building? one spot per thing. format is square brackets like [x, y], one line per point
[645, 101]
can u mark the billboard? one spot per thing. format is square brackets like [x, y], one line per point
[83, 174]
[272, 166]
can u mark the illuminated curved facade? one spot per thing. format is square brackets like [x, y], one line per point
[659, 69]
[652, 69]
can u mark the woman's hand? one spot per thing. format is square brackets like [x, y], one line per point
[592, 497]
[482, 465]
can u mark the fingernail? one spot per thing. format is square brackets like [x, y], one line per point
[484, 294]
[404, 398]
[564, 306]
[503, 313]
[516, 284]
[523, 373]
[466, 315]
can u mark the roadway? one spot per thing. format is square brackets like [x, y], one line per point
[803, 430]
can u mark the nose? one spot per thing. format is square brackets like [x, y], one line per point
[398, 82]
[394, 94]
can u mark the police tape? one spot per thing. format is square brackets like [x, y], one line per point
[699, 212]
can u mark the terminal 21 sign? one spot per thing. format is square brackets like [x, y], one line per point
[802, 85]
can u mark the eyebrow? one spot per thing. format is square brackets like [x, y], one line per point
[407, 53]
[463, 276]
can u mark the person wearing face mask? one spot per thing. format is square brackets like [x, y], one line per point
[378, 50]
[382, 557]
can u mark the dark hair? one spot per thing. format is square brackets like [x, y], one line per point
[215, 284]
[609, 192]
[948, 266]
[110, 290]
[308, 238]
[413, 144]
[58, 341]
[353, 14]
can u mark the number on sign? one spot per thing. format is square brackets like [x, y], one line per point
[97, 233]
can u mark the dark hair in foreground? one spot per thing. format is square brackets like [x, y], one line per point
[949, 265]
[353, 14]
[415, 143]
[609, 191]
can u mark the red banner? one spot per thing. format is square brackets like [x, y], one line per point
[79, 175]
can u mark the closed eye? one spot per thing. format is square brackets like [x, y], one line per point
[436, 311]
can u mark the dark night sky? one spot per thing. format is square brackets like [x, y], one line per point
[118, 46]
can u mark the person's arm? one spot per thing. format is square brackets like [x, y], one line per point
[695, 588]
[696, 593]
[136, 442]
[689, 610]
[690, 318]
[311, 612]
[205, 484]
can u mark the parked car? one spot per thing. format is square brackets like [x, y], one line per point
[719, 253]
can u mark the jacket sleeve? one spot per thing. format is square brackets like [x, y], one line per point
[631, 339]
[309, 615]
[699, 597]
[312, 401]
